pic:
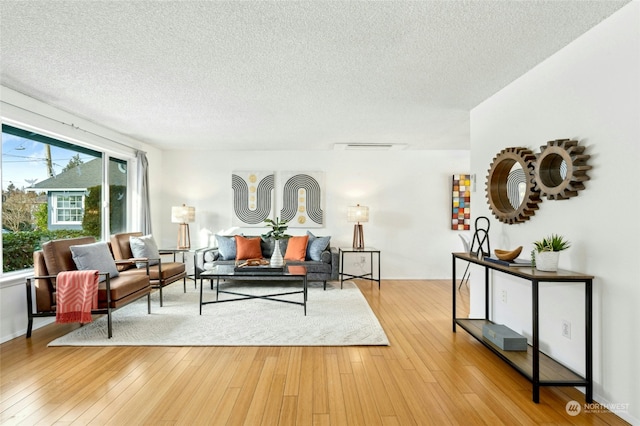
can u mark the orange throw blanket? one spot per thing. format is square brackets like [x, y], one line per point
[76, 295]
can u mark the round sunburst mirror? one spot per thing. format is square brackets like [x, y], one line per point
[511, 191]
[560, 169]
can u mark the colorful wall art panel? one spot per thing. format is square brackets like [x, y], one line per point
[301, 196]
[252, 198]
[461, 212]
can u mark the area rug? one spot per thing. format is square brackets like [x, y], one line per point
[335, 317]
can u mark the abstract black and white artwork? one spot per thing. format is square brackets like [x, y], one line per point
[253, 194]
[301, 199]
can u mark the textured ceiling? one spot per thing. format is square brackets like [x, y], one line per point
[282, 75]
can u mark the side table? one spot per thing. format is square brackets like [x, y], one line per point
[367, 276]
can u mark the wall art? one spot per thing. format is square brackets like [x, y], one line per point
[561, 169]
[253, 194]
[461, 202]
[301, 199]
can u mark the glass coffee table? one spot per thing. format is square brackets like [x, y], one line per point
[228, 273]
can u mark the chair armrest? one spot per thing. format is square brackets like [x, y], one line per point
[137, 260]
[201, 254]
[207, 249]
[132, 260]
[213, 252]
[43, 277]
[40, 277]
[173, 251]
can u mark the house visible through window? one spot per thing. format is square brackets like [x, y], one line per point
[68, 209]
[54, 189]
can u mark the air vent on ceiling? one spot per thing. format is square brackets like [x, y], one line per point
[369, 146]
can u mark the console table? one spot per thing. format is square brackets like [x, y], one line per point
[540, 369]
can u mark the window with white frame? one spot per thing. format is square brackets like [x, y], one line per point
[68, 209]
[54, 189]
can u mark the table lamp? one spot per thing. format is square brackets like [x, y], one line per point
[183, 215]
[358, 214]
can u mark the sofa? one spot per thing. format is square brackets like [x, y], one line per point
[320, 259]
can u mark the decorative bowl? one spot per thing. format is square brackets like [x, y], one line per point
[508, 255]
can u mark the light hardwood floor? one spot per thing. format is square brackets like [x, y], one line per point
[428, 375]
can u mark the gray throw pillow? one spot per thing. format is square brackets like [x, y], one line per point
[316, 246]
[266, 246]
[146, 247]
[95, 256]
[226, 246]
[283, 244]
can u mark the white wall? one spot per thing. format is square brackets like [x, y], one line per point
[407, 192]
[589, 91]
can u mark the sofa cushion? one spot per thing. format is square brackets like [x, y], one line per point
[248, 248]
[122, 286]
[266, 246]
[144, 247]
[95, 256]
[283, 244]
[226, 246]
[168, 269]
[296, 248]
[316, 246]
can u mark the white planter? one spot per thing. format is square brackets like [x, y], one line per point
[276, 258]
[547, 261]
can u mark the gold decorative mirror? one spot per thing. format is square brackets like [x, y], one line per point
[560, 169]
[511, 191]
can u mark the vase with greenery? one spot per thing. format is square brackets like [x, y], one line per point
[277, 233]
[547, 252]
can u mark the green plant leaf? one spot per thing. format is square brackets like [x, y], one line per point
[554, 242]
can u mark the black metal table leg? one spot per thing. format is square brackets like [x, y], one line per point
[486, 293]
[201, 286]
[341, 268]
[379, 277]
[589, 340]
[536, 343]
[453, 288]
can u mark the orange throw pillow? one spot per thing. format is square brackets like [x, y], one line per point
[247, 248]
[296, 248]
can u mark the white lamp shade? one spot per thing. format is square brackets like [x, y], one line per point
[358, 213]
[183, 214]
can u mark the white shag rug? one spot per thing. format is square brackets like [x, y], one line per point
[335, 317]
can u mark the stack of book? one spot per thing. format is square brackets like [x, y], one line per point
[511, 263]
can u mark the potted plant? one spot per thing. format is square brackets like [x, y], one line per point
[277, 232]
[547, 252]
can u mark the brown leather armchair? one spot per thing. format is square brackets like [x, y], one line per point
[161, 274]
[56, 257]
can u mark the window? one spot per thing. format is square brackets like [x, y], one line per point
[68, 209]
[54, 189]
